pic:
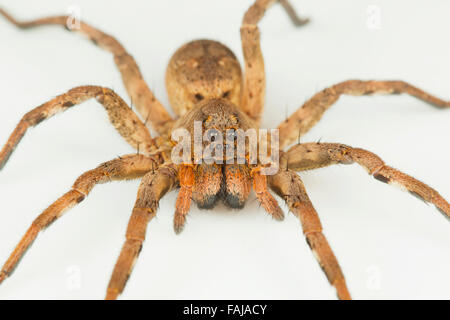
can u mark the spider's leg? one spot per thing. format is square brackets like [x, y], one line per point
[288, 185]
[153, 187]
[312, 110]
[143, 98]
[254, 78]
[309, 156]
[267, 201]
[126, 167]
[184, 198]
[296, 20]
[132, 129]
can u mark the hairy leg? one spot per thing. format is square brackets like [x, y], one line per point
[153, 187]
[126, 167]
[143, 98]
[312, 110]
[254, 78]
[296, 20]
[309, 156]
[131, 128]
[183, 204]
[263, 195]
[288, 185]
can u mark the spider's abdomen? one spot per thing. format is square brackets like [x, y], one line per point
[201, 70]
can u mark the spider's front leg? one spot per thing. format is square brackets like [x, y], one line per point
[310, 156]
[267, 201]
[126, 167]
[127, 123]
[254, 90]
[143, 98]
[312, 110]
[153, 187]
[184, 198]
[288, 185]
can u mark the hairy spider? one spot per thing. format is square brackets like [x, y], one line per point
[204, 83]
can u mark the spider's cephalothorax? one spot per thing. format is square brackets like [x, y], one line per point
[205, 85]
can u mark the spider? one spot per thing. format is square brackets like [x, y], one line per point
[205, 83]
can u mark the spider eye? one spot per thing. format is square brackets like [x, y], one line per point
[226, 94]
[199, 97]
[231, 135]
[212, 135]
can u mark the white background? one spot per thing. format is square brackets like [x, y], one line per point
[389, 244]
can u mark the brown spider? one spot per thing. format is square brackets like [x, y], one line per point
[204, 81]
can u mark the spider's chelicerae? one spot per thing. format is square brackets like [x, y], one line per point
[205, 83]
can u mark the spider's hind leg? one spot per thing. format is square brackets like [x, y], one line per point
[143, 98]
[295, 18]
[254, 89]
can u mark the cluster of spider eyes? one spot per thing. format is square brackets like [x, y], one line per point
[200, 97]
[231, 135]
[251, 147]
